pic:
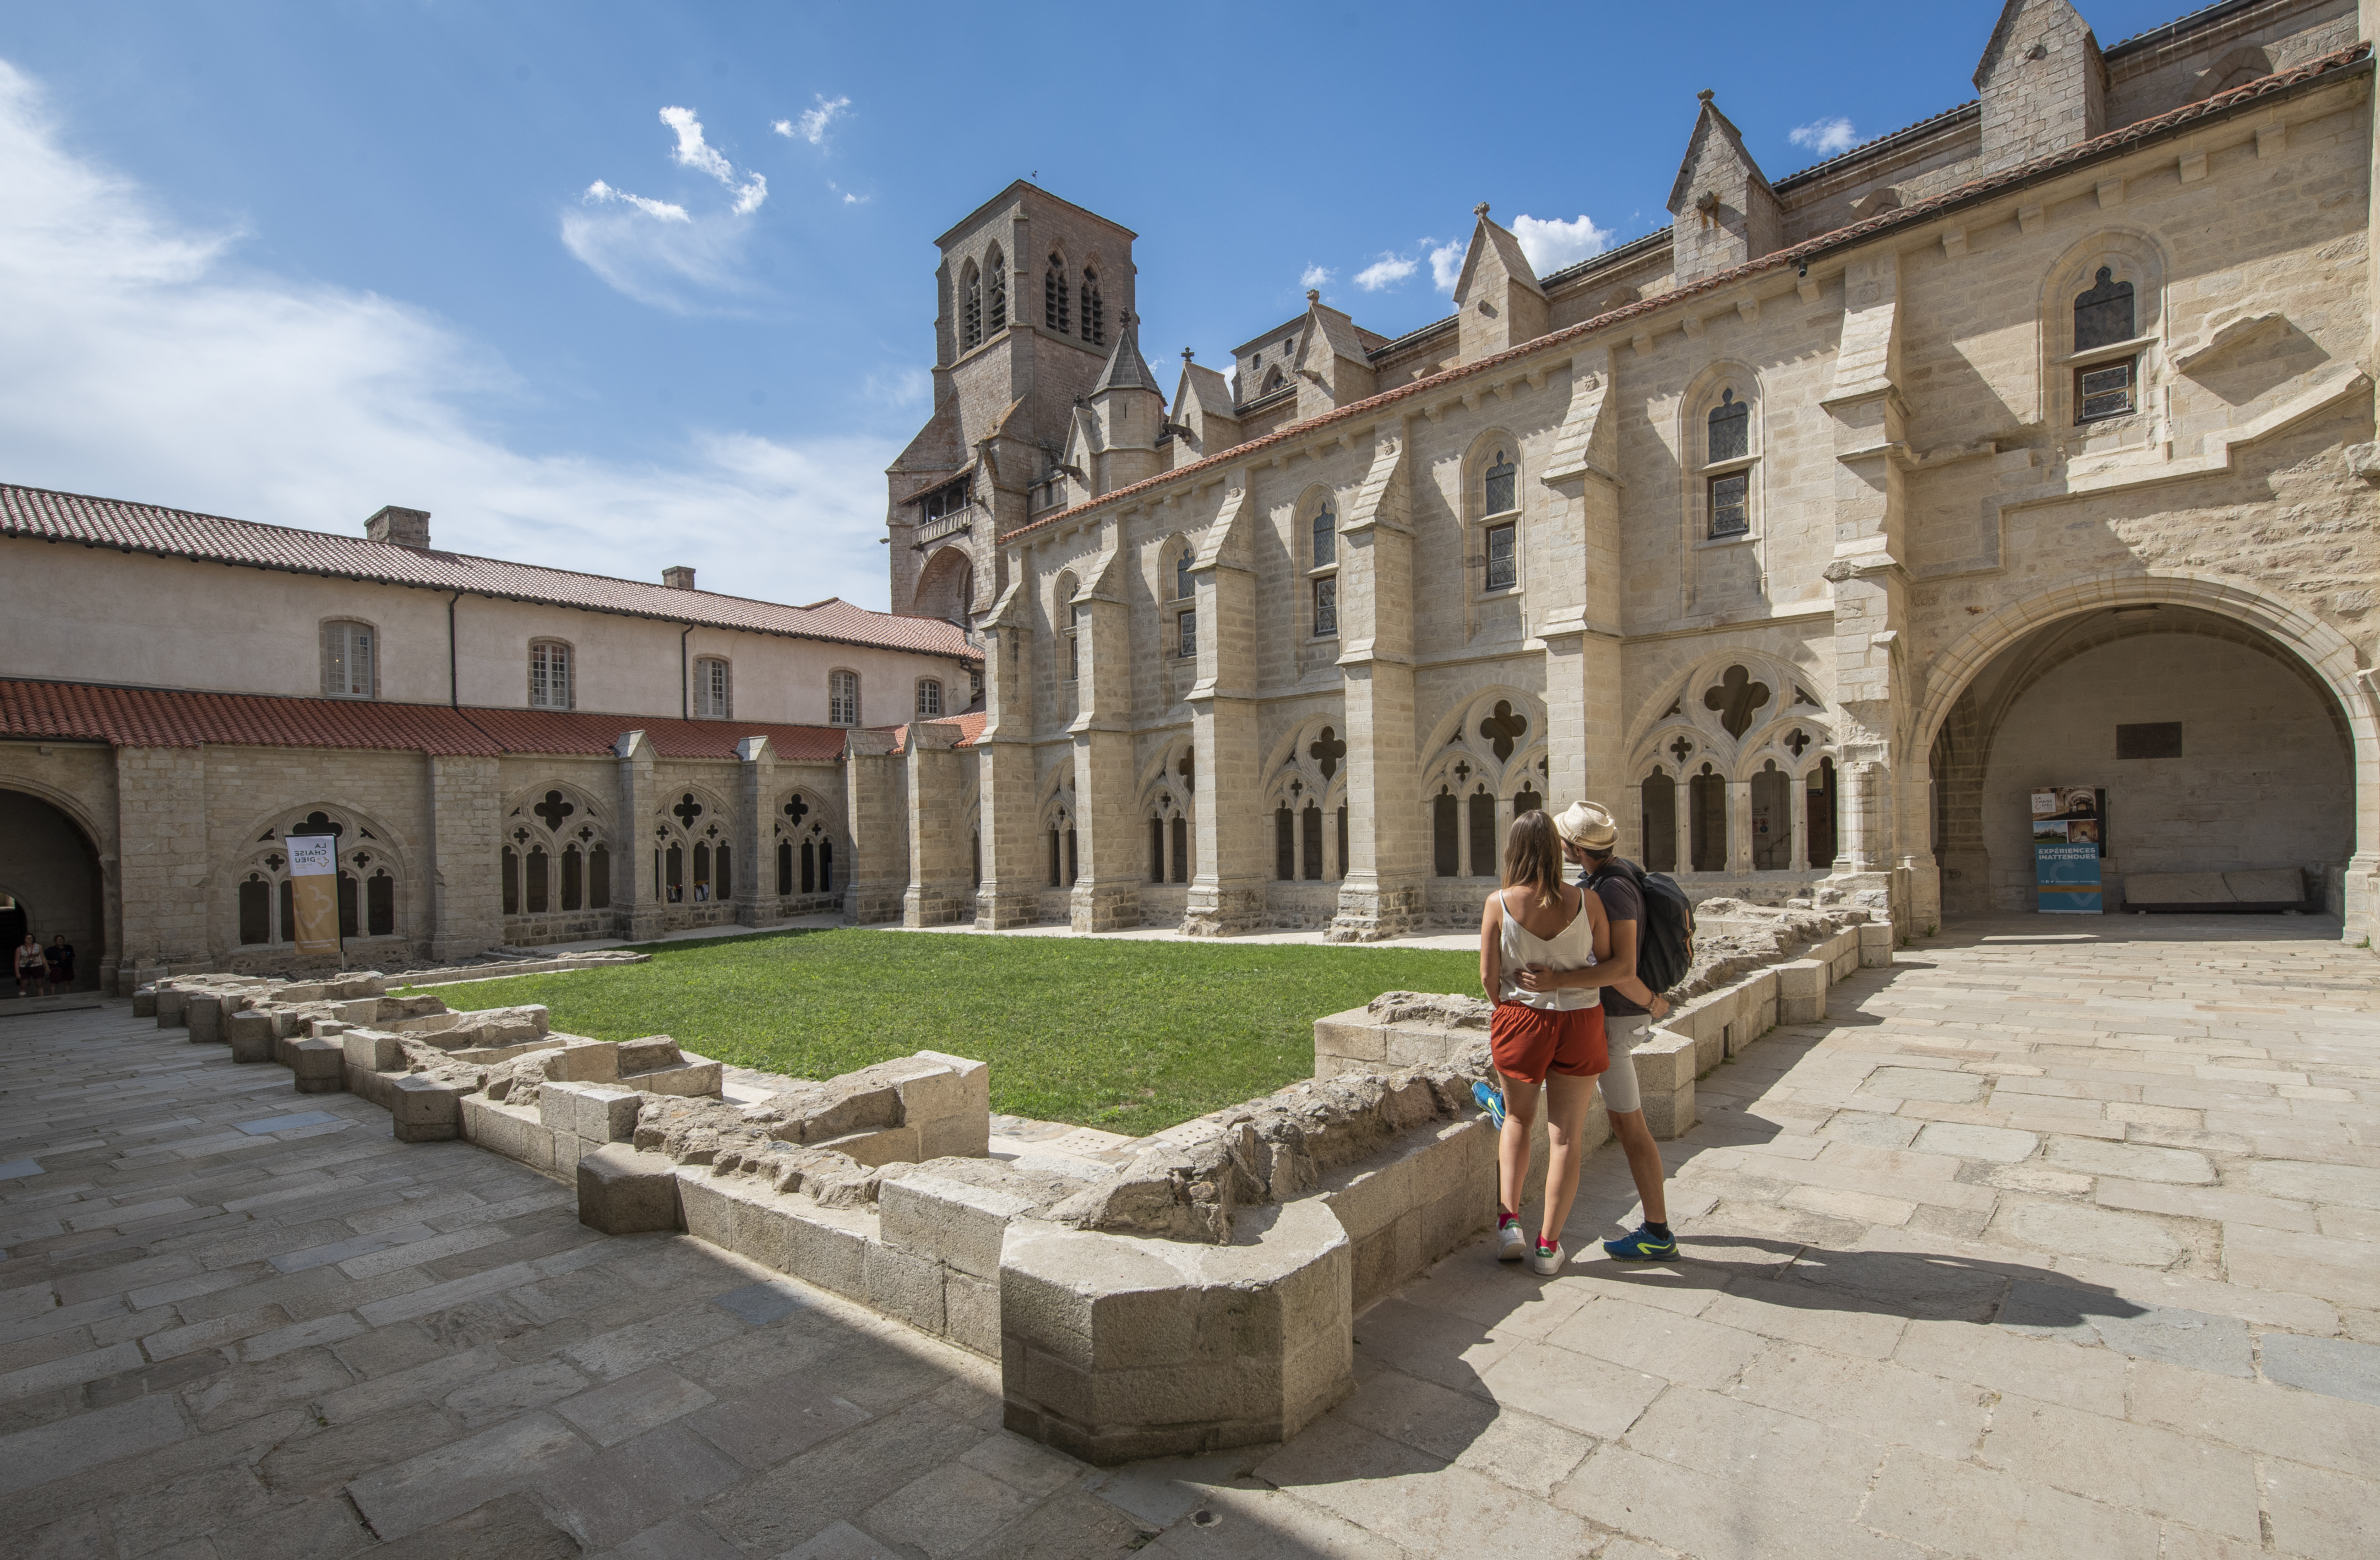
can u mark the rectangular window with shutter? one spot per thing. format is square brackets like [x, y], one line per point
[843, 699]
[549, 676]
[711, 690]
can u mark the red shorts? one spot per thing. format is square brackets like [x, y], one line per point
[1529, 1042]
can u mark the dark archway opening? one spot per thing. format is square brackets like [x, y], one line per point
[52, 878]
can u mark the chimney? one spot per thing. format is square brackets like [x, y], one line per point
[679, 579]
[406, 528]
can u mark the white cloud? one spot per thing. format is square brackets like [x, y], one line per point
[1386, 272]
[1446, 265]
[147, 360]
[814, 122]
[693, 151]
[662, 210]
[1551, 243]
[1825, 137]
[1314, 276]
[848, 198]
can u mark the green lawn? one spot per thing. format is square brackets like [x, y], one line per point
[1127, 1036]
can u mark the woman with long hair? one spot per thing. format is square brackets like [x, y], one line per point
[1538, 939]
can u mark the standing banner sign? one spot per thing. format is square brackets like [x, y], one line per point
[314, 890]
[2066, 849]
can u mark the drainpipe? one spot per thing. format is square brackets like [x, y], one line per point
[453, 678]
[685, 681]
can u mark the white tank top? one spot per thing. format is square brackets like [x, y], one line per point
[1573, 948]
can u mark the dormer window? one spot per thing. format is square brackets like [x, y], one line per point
[2105, 317]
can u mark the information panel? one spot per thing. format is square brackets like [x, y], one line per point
[314, 891]
[2066, 851]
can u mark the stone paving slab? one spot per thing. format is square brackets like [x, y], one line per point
[2056, 1244]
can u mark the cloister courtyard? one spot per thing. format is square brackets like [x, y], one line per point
[2055, 1238]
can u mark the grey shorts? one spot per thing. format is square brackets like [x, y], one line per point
[1618, 1082]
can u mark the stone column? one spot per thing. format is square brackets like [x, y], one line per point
[1683, 817]
[756, 836]
[939, 892]
[1228, 895]
[877, 824]
[1003, 758]
[1798, 809]
[1113, 842]
[1388, 851]
[637, 910]
[162, 802]
[1739, 828]
[465, 899]
[1574, 567]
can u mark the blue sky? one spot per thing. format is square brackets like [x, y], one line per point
[291, 262]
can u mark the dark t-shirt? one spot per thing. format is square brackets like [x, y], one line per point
[61, 959]
[1620, 903]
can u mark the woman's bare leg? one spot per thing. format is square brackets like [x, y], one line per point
[1512, 1145]
[1566, 1102]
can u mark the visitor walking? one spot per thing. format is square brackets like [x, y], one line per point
[59, 956]
[1629, 1008]
[32, 969]
[1539, 938]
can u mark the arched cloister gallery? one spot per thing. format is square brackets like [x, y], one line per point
[2214, 745]
[52, 881]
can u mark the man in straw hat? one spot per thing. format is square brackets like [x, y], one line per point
[1629, 1008]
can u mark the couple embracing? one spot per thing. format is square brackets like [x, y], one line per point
[1561, 961]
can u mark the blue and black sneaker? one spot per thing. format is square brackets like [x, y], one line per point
[1490, 1101]
[1642, 1246]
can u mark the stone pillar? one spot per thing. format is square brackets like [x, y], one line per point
[2356, 897]
[1797, 789]
[465, 899]
[1228, 895]
[1388, 851]
[939, 892]
[756, 835]
[1575, 569]
[1004, 759]
[1113, 843]
[636, 886]
[877, 824]
[162, 795]
[1684, 820]
[1871, 587]
[1739, 828]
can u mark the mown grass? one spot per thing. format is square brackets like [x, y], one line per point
[1126, 1037]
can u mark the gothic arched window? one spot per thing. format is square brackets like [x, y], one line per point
[1727, 451]
[1497, 493]
[1095, 309]
[1731, 428]
[1054, 312]
[970, 307]
[1326, 539]
[995, 293]
[1183, 590]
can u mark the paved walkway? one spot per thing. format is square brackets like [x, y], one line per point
[2050, 1244]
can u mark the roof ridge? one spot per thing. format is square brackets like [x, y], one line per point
[1850, 233]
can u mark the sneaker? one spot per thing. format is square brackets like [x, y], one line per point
[1492, 1102]
[1642, 1246]
[1547, 1261]
[1511, 1244]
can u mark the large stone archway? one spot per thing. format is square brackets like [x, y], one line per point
[53, 873]
[2280, 759]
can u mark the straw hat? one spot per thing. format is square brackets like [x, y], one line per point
[1587, 826]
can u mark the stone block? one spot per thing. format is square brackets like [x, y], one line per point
[830, 1247]
[906, 1287]
[932, 1093]
[203, 1013]
[621, 1192]
[369, 1050]
[974, 1075]
[607, 1113]
[696, 1079]
[557, 1103]
[886, 1145]
[1353, 1035]
[507, 1129]
[585, 1061]
[321, 1067]
[250, 1035]
[651, 1054]
[1665, 1074]
[170, 1005]
[1875, 944]
[144, 1002]
[1801, 991]
[424, 1109]
[971, 1312]
[949, 1221]
[955, 1137]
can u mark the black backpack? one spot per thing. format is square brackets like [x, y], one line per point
[1665, 940]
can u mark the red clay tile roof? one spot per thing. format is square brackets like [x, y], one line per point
[166, 718]
[174, 533]
[970, 727]
[2114, 140]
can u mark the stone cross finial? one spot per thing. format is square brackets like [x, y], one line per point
[1313, 295]
[1704, 95]
[1480, 211]
[1186, 356]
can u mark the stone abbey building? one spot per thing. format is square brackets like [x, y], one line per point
[2031, 445]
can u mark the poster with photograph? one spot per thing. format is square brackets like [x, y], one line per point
[2048, 831]
[2066, 851]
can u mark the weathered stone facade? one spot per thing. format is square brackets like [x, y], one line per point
[1761, 531]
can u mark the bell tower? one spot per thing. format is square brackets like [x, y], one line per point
[1031, 299]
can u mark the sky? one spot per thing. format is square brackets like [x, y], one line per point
[614, 287]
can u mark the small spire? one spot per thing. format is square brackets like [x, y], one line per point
[1313, 295]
